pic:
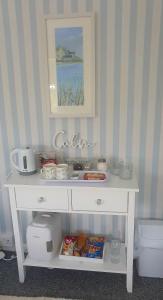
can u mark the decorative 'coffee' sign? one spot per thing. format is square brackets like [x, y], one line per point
[60, 141]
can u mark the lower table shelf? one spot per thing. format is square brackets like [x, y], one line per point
[107, 266]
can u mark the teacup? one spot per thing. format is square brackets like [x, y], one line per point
[62, 171]
[49, 171]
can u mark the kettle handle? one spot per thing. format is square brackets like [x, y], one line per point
[12, 158]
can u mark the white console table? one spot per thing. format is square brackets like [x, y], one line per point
[114, 197]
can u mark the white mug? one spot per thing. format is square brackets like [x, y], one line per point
[62, 171]
[49, 171]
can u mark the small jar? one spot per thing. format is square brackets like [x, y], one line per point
[101, 164]
[78, 166]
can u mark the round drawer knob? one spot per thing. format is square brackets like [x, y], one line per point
[99, 201]
[41, 199]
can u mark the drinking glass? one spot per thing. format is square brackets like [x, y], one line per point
[125, 171]
[115, 248]
[114, 166]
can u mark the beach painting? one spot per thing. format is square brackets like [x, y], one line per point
[69, 66]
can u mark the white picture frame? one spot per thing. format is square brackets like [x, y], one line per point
[71, 66]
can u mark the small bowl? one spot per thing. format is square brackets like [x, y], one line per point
[74, 177]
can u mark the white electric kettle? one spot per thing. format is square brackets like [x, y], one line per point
[25, 162]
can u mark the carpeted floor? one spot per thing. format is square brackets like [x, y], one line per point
[41, 282]
[29, 298]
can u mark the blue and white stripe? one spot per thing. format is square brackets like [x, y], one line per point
[129, 89]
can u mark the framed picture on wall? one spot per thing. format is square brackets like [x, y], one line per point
[71, 66]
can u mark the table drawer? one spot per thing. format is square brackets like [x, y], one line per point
[100, 200]
[42, 198]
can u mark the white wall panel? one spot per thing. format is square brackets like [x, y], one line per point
[128, 86]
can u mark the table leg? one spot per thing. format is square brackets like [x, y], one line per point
[17, 235]
[126, 230]
[130, 241]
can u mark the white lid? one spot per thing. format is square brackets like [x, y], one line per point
[43, 220]
[151, 229]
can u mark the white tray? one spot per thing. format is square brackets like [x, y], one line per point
[82, 259]
[80, 179]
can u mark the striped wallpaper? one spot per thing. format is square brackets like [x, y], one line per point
[129, 93]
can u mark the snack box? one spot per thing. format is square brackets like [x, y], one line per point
[81, 258]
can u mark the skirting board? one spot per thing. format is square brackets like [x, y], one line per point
[30, 298]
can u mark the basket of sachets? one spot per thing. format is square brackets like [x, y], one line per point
[83, 248]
